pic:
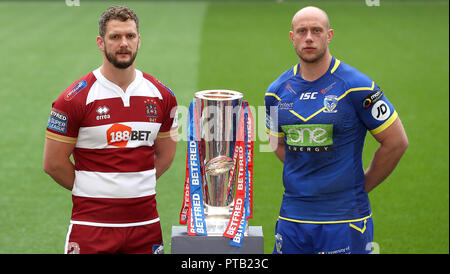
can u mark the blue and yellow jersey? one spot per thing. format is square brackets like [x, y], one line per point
[324, 124]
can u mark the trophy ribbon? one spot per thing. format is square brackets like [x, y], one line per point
[197, 215]
[192, 211]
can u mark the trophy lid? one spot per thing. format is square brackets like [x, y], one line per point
[219, 95]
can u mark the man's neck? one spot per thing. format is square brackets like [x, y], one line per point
[121, 77]
[313, 71]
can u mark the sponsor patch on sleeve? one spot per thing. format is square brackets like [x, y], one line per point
[57, 121]
[75, 90]
[372, 99]
[381, 111]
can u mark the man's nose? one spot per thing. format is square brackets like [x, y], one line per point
[309, 36]
[123, 42]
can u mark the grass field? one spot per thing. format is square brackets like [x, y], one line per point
[190, 46]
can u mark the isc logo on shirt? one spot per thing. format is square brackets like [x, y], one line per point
[308, 96]
[309, 137]
[119, 135]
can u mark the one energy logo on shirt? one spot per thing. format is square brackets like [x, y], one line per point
[309, 137]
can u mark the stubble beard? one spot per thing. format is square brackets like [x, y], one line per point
[111, 57]
[311, 59]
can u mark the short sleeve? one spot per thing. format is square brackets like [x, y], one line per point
[374, 109]
[66, 115]
[169, 126]
[271, 101]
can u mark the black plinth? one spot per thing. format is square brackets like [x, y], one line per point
[253, 243]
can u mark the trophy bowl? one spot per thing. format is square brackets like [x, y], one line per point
[218, 113]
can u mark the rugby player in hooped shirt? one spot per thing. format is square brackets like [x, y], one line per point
[317, 116]
[118, 123]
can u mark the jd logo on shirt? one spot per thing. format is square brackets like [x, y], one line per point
[309, 137]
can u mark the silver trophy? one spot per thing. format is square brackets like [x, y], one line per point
[218, 118]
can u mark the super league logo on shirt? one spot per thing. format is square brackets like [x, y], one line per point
[57, 121]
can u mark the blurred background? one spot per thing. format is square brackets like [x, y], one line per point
[240, 45]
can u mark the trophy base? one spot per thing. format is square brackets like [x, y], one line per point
[182, 243]
[217, 219]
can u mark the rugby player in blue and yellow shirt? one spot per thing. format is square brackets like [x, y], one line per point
[317, 115]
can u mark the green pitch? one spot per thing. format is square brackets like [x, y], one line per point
[190, 46]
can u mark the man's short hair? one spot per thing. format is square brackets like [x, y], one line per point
[121, 13]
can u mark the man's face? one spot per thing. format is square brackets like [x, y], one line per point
[121, 43]
[310, 35]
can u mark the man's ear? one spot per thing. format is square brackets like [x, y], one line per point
[330, 35]
[100, 43]
[139, 41]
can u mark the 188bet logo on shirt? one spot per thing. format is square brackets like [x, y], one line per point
[119, 135]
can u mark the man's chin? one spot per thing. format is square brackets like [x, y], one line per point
[310, 59]
[121, 65]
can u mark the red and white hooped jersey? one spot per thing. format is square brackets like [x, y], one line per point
[114, 133]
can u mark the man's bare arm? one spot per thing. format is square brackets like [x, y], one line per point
[57, 163]
[165, 149]
[393, 143]
[277, 145]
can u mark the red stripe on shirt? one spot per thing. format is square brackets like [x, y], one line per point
[114, 159]
[114, 210]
